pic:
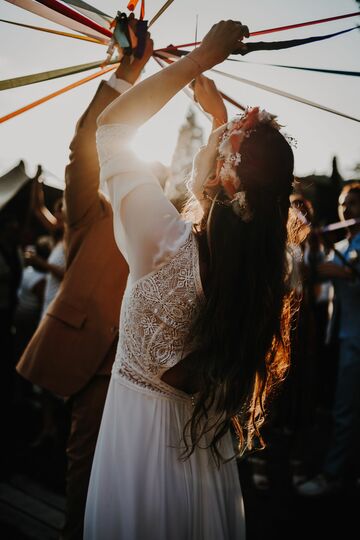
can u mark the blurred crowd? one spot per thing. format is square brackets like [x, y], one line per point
[318, 409]
[32, 266]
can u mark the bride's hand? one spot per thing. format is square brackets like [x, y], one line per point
[223, 39]
[209, 98]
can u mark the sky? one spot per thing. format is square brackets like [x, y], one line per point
[42, 135]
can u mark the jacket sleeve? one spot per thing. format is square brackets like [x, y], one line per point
[82, 200]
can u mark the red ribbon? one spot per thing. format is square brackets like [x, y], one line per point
[300, 25]
[75, 16]
[281, 28]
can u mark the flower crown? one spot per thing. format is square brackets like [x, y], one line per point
[229, 157]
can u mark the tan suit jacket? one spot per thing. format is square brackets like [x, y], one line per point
[77, 337]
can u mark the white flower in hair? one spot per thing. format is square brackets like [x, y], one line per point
[241, 207]
[265, 117]
[241, 127]
[227, 171]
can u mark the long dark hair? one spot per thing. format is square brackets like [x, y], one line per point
[241, 336]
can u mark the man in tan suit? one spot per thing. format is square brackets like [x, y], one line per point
[73, 349]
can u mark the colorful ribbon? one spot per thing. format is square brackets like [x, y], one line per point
[141, 34]
[172, 52]
[167, 58]
[230, 100]
[121, 33]
[49, 75]
[132, 5]
[281, 28]
[185, 90]
[57, 32]
[54, 94]
[285, 94]
[265, 45]
[130, 38]
[160, 12]
[83, 21]
[75, 15]
[53, 16]
[307, 23]
[320, 70]
[277, 45]
[315, 70]
[90, 11]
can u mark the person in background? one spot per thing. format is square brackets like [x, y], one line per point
[11, 267]
[50, 407]
[343, 269]
[300, 389]
[54, 223]
[294, 405]
[31, 292]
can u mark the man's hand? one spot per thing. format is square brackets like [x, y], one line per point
[209, 98]
[130, 72]
[38, 206]
[37, 200]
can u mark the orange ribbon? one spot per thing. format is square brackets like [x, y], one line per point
[132, 5]
[57, 93]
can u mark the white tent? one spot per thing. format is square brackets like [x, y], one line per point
[11, 182]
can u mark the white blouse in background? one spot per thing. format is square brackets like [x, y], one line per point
[57, 258]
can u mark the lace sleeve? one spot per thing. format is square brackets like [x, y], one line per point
[147, 227]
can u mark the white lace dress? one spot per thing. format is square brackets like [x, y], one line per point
[139, 488]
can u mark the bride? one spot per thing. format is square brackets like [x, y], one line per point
[203, 337]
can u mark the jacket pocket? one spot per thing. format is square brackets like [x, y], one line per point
[67, 313]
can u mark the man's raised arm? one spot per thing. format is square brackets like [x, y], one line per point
[82, 200]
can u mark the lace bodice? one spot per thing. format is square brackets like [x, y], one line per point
[156, 315]
[164, 289]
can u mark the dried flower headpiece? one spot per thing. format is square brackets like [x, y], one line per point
[229, 157]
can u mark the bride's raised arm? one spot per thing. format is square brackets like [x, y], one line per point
[139, 104]
[146, 224]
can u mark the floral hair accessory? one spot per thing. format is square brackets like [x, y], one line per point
[241, 207]
[229, 157]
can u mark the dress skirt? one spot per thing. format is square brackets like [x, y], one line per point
[140, 489]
